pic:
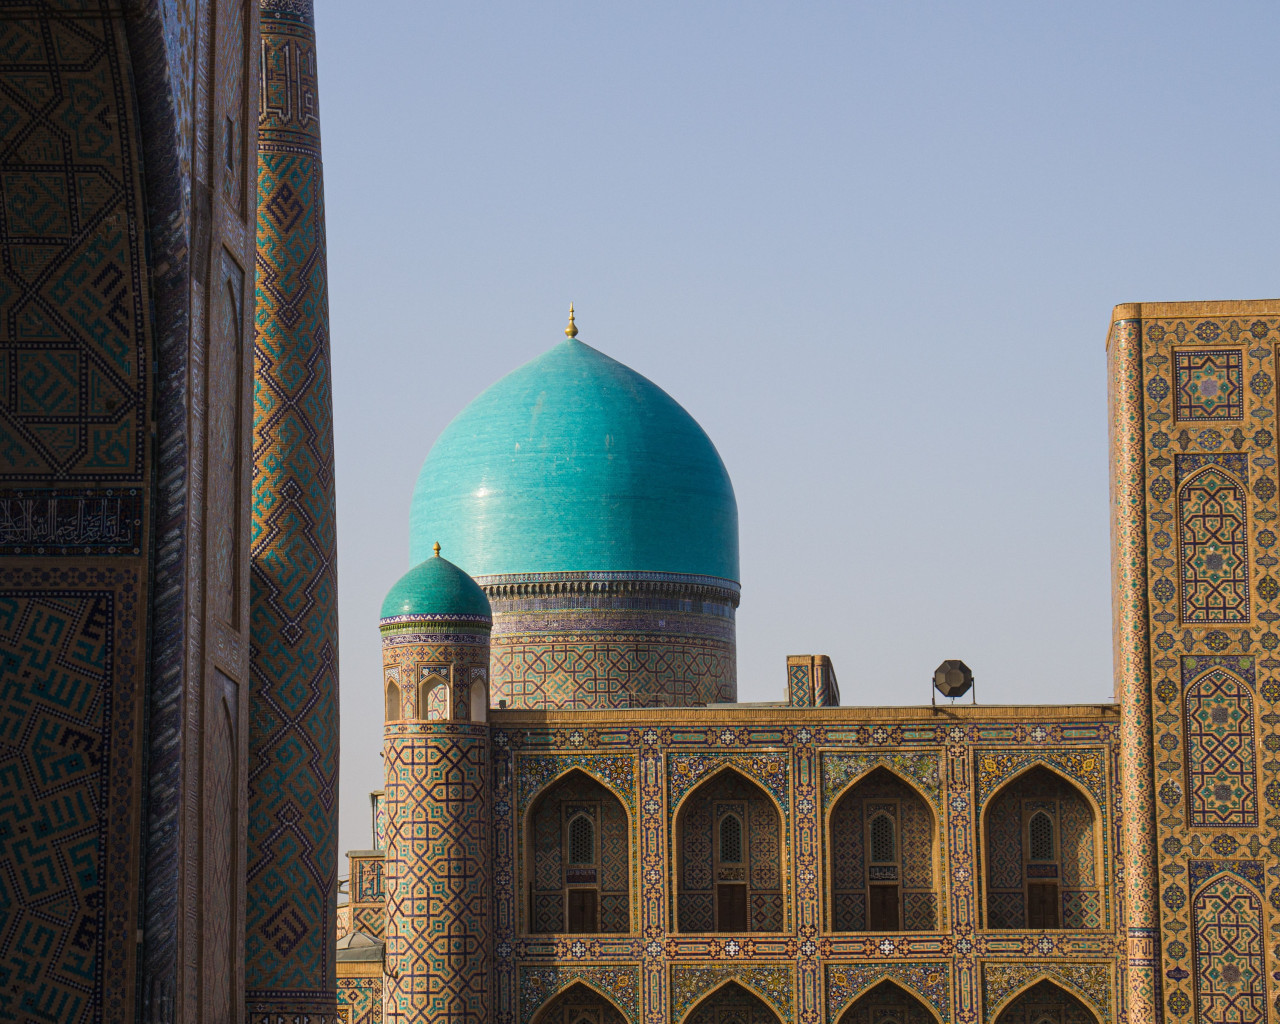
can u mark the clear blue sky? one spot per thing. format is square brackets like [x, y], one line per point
[871, 247]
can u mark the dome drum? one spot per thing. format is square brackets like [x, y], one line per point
[613, 642]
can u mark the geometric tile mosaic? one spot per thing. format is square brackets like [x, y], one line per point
[1209, 384]
[1213, 546]
[1222, 778]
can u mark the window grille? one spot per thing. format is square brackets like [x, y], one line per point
[1041, 831]
[730, 840]
[582, 841]
[883, 842]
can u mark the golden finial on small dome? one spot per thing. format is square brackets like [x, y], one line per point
[436, 548]
[572, 330]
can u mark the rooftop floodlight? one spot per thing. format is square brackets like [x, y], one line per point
[953, 679]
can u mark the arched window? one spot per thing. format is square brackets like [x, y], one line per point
[479, 695]
[393, 702]
[578, 859]
[433, 698]
[882, 840]
[1040, 849]
[729, 842]
[1040, 837]
[731, 839]
[582, 841]
[883, 845]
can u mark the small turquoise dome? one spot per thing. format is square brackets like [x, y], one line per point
[436, 587]
[575, 462]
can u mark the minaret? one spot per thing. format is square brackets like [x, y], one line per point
[435, 687]
[292, 863]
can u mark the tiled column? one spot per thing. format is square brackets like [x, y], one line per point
[292, 865]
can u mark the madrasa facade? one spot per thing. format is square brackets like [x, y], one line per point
[580, 824]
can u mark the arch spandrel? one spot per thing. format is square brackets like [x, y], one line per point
[882, 1000]
[1086, 769]
[693, 987]
[769, 769]
[927, 981]
[1090, 983]
[842, 770]
[542, 988]
[535, 773]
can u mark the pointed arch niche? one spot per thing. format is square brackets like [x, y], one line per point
[1228, 927]
[1046, 1003]
[732, 1004]
[1040, 848]
[882, 843]
[578, 858]
[728, 843]
[580, 1004]
[888, 1003]
[1213, 543]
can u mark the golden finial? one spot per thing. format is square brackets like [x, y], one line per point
[436, 549]
[572, 330]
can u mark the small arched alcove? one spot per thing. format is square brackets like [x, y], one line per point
[479, 695]
[731, 1004]
[882, 841]
[1041, 854]
[728, 844]
[433, 698]
[392, 701]
[1046, 1003]
[579, 1004]
[578, 858]
[888, 1003]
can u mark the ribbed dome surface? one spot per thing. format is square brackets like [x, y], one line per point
[436, 587]
[575, 462]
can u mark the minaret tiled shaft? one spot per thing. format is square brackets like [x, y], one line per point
[291, 877]
[1132, 671]
[439, 841]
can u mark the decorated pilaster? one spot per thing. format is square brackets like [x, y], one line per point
[1133, 672]
[435, 629]
[291, 876]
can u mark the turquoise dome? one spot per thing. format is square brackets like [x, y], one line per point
[436, 587]
[575, 462]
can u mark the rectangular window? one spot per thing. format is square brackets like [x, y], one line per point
[731, 908]
[582, 911]
[884, 908]
[1042, 905]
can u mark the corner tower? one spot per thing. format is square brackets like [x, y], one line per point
[435, 665]
[599, 519]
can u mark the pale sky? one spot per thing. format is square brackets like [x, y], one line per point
[871, 247]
